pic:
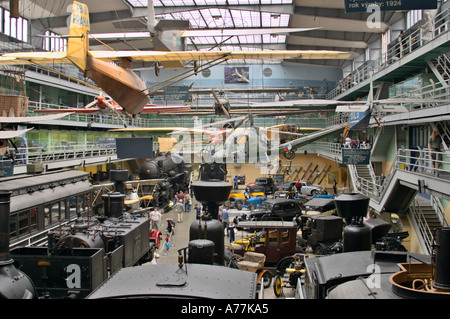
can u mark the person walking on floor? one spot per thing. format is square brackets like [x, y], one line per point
[170, 226]
[167, 244]
[231, 229]
[155, 216]
[179, 209]
[187, 202]
[225, 219]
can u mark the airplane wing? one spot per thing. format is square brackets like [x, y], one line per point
[19, 58]
[11, 134]
[202, 33]
[348, 108]
[30, 119]
[247, 90]
[174, 56]
[300, 103]
[147, 109]
[312, 137]
[237, 32]
[22, 58]
[391, 108]
[165, 109]
[71, 110]
[148, 129]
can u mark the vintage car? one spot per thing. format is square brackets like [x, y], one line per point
[318, 205]
[311, 189]
[277, 240]
[273, 209]
[267, 183]
[243, 200]
[255, 190]
[285, 190]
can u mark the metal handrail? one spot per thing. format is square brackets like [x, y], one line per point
[437, 205]
[422, 225]
[439, 25]
[38, 154]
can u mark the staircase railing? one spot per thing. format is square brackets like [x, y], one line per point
[440, 212]
[417, 38]
[426, 235]
[444, 62]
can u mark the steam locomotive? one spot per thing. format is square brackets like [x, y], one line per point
[175, 175]
[82, 255]
[79, 258]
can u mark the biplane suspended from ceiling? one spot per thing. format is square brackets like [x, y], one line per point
[102, 104]
[120, 82]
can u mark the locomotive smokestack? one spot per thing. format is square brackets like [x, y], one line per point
[5, 257]
[119, 177]
[113, 204]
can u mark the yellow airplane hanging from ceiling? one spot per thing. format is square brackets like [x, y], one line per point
[120, 82]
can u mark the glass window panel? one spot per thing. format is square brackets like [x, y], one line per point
[13, 226]
[7, 22]
[25, 30]
[246, 19]
[13, 26]
[24, 222]
[138, 3]
[1, 19]
[20, 29]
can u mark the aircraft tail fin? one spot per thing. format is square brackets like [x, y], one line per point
[78, 43]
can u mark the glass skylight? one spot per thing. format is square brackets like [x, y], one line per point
[209, 16]
[226, 18]
[176, 3]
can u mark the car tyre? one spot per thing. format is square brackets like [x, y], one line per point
[278, 286]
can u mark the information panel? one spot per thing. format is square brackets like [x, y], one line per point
[174, 93]
[389, 5]
[6, 168]
[134, 147]
[355, 156]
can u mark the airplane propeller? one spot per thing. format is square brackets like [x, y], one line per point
[219, 102]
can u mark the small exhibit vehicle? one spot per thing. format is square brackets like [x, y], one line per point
[273, 210]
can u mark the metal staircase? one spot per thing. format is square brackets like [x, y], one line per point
[427, 216]
[402, 184]
[441, 69]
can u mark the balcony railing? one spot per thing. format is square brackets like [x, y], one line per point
[412, 41]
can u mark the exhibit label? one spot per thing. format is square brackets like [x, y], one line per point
[389, 5]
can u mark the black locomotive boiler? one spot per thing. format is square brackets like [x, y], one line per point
[14, 283]
[174, 174]
[82, 255]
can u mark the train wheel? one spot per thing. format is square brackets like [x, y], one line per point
[278, 286]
